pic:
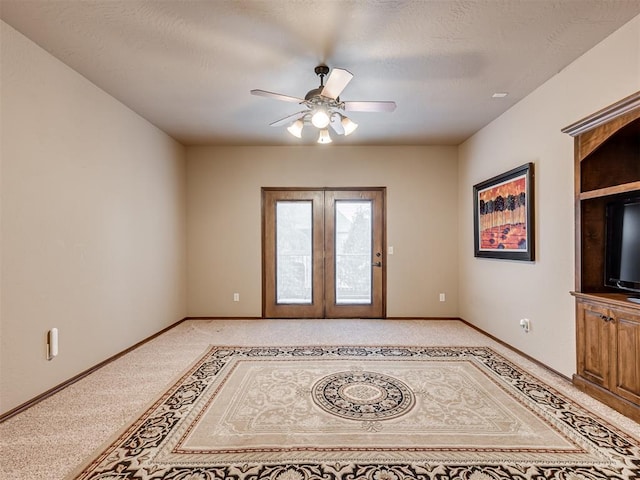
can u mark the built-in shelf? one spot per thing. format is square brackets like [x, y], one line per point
[618, 299]
[615, 190]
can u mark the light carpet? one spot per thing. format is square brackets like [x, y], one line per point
[363, 413]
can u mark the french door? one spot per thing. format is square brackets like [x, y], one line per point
[323, 253]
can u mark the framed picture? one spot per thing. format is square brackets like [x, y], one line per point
[503, 215]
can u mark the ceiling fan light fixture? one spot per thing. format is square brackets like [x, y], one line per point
[295, 128]
[348, 125]
[324, 136]
[320, 119]
[323, 108]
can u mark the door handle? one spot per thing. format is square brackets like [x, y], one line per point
[376, 264]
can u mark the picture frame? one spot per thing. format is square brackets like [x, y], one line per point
[503, 215]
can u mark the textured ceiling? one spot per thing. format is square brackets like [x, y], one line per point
[188, 66]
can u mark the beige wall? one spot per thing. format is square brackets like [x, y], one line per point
[224, 218]
[93, 223]
[496, 294]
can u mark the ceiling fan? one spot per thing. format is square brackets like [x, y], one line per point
[323, 107]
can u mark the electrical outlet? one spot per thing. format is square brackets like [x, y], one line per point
[236, 297]
[442, 297]
[525, 323]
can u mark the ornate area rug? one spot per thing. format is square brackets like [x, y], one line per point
[363, 413]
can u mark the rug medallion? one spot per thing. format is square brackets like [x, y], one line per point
[363, 395]
[363, 413]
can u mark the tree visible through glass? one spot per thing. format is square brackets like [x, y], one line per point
[294, 251]
[353, 248]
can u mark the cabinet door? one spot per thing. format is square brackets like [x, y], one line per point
[626, 381]
[594, 343]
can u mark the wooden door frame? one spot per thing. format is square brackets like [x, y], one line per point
[267, 248]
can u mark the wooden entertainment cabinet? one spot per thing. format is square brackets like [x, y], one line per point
[607, 166]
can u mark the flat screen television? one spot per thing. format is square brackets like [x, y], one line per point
[622, 247]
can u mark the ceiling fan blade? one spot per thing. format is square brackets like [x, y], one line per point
[369, 106]
[277, 96]
[288, 119]
[337, 81]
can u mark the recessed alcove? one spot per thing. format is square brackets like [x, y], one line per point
[607, 169]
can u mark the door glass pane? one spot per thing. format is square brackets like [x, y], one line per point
[353, 252]
[294, 249]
